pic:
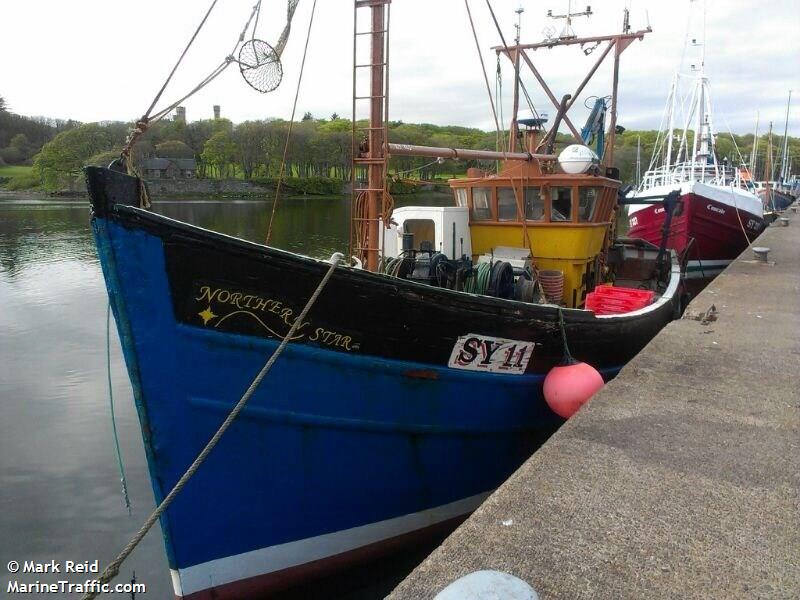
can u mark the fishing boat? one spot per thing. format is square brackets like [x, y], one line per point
[414, 385]
[774, 196]
[718, 215]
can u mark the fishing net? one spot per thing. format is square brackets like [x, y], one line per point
[260, 63]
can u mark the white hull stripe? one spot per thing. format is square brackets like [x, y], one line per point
[283, 556]
[730, 196]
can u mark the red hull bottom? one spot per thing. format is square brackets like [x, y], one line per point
[705, 233]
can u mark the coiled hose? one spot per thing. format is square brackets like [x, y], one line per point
[478, 281]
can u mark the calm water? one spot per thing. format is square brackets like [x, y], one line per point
[60, 496]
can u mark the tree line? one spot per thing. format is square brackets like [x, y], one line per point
[319, 147]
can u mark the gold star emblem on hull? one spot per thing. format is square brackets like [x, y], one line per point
[206, 315]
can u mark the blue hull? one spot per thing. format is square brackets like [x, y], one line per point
[331, 442]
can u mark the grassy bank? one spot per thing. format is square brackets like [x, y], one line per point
[18, 177]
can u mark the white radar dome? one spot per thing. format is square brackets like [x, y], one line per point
[576, 159]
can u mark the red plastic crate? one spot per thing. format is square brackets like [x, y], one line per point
[610, 300]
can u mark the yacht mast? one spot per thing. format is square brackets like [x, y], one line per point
[785, 152]
[768, 170]
[754, 151]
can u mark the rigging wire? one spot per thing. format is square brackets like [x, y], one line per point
[291, 124]
[255, 25]
[733, 139]
[483, 70]
[177, 64]
[514, 130]
[120, 464]
[516, 71]
[253, 15]
[498, 91]
[148, 119]
[420, 168]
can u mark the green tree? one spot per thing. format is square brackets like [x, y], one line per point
[60, 161]
[11, 155]
[20, 143]
[3, 107]
[219, 152]
[249, 137]
[308, 116]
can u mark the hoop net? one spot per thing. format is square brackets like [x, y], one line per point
[260, 65]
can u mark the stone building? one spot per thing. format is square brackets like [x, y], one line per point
[169, 168]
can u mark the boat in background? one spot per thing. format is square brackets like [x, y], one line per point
[413, 387]
[718, 215]
[774, 196]
[783, 192]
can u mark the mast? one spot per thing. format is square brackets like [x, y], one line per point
[785, 153]
[618, 42]
[515, 110]
[754, 152]
[369, 203]
[704, 144]
[768, 169]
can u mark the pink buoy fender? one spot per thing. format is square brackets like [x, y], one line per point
[569, 386]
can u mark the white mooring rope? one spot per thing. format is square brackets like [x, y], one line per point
[112, 570]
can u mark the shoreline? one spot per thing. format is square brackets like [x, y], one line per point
[262, 195]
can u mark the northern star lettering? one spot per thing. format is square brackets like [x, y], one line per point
[263, 309]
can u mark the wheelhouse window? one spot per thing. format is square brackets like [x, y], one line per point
[561, 198]
[534, 204]
[506, 204]
[481, 197]
[587, 202]
[461, 196]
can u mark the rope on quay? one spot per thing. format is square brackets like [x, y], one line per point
[112, 570]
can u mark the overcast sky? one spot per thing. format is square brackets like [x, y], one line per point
[99, 60]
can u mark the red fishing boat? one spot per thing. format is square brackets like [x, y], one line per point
[717, 216]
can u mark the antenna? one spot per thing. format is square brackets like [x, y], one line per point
[568, 33]
[518, 25]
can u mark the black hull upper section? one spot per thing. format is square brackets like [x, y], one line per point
[230, 285]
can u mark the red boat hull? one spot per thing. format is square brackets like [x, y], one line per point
[706, 233]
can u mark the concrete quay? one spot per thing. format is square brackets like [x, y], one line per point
[680, 478]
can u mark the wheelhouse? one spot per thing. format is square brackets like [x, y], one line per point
[565, 220]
